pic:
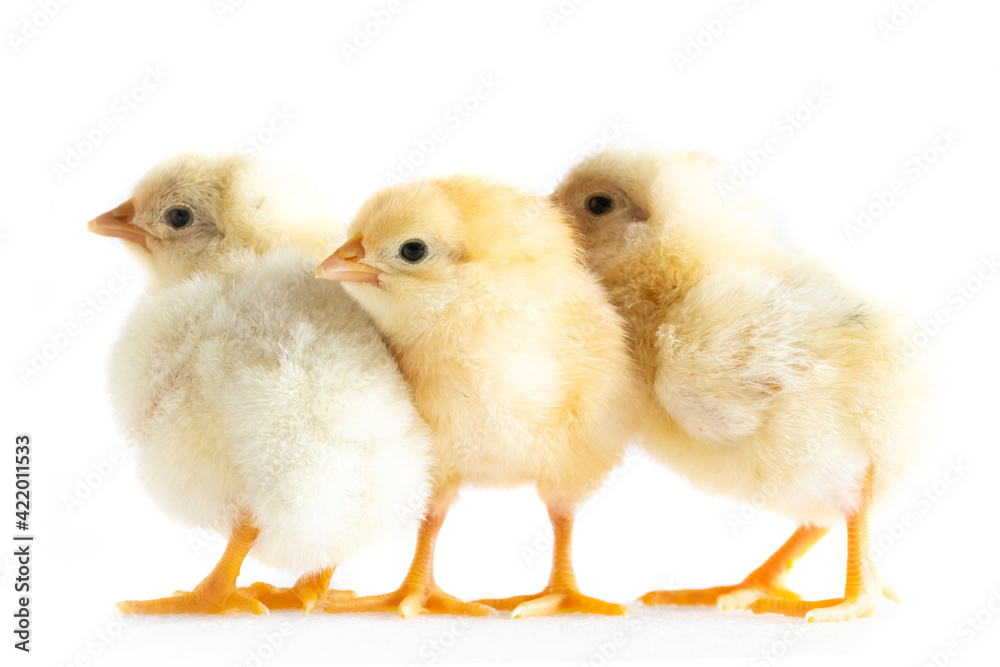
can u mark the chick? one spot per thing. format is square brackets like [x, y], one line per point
[263, 401]
[515, 358]
[767, 378]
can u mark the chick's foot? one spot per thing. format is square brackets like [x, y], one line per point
[561, 596]
[764, 582]
[552, 601]
[863, 589]
[726, 598]
[825, 611]
[419, 593]
[310, 591]
[202, 600]
[217, 593]
[410, 601]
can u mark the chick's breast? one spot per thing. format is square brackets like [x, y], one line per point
[543, 390]
[262, 389]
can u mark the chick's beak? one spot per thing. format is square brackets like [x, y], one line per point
[345, 265]
[118, 223]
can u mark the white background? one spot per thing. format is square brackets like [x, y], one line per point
[224, 75]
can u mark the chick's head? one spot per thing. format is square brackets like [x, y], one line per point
[420, 248]
[193, 209]
[632, 205]
[611, 194]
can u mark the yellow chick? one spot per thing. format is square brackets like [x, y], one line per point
[767, 377]
[515, 358]
[263, 402]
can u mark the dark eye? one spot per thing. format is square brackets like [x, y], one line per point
[413, 251]
[179, 217]
[600, 204]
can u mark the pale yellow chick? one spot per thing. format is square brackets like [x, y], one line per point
[516, 360]
[262, 402]
[767, 377]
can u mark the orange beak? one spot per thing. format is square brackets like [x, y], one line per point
[118, 223]
[344, 265]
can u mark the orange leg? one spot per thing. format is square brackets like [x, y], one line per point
[764, 582]
[217, 593]
[418, 593]
[863, 589]
[309, 590]
[561, 596]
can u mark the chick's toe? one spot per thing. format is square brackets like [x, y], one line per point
[197, 601]
[308, 592]
[410, 600]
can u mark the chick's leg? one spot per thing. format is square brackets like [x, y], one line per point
[764, 582]
[561, 596]
[863, 589]
[418, 593]
[307, 592]
[217, 593]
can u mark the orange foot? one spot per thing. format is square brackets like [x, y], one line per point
[410, 600]
[764, 582]
[554, 601]
[726, 598]
[825, 611]
[204, 599]
[308, 591]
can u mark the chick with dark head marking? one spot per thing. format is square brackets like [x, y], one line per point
[767, 377]
[516, 361]
[262, 402]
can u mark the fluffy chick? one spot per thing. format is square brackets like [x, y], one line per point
[767, 377]
[263, 402]
[516, 360]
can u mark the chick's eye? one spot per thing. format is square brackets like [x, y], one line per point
[413, 251]
[179, 217]
[600, 204]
